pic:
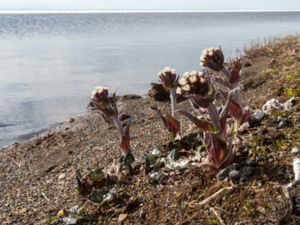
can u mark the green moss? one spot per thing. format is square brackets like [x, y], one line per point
[292, 76]
[267, 205]
[290, 92]
[211, 222]
[270, 71]
[249, 208]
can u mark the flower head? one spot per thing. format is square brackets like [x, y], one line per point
[168, 78]
[193, 83]
[103, 101]
[212, 58]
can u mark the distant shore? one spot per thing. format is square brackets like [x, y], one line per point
[88, 11]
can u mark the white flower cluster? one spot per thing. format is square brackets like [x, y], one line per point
[207, 52]
[168, 78]
[99, 90]
[167, 70]
[191, 82]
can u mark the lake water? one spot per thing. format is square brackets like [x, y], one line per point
[49, 63]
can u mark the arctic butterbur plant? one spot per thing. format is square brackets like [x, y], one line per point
[213, 59]
[169, 81]
[199, 89]
[105, 102]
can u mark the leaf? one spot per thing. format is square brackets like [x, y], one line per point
[246, 115]
[125, 141]
[96, 175]
[235, 110]
[169, 121]
[97, 196]
[174, 155]
[128, 159]
[218, 152]
[202, 124]
[235, 71]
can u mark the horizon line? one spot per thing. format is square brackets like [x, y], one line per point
[83, 11]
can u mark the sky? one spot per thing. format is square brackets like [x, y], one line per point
[150, 4]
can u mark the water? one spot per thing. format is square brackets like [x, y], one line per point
[49, 63]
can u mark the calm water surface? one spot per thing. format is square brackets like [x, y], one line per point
[49, 63]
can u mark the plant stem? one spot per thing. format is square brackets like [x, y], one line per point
[214, 116]
[173, 100]
[118, 125]
[226, 73]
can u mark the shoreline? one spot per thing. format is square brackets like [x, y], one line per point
[87, 11]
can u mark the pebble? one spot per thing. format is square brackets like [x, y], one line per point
[122, 217]
[234, 174]
[247, 171]
[225, 172]
[257, 116]
[61, 176]
[295, 150]
[271, 104]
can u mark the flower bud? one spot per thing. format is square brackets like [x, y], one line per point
[212, 58]
[194, 83]
[168, 78]
[103, 101]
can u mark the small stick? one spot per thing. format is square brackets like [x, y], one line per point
[214, 195]
[47, 199]
[217, 215]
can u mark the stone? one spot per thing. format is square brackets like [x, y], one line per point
[247, 171]
[158, 92]
[130, 97]
[247, 64]
[122, 217]
[223, 173]
[271, 105]
[295, 150]
[61, 176]
[234, 174]
[257, 116]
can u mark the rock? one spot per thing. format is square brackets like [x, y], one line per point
[130, 97]
[270, 105]
[295, 150]
[158, 92]
[252, 162]
[61, 176]
[122, 217]
[124, 117]
[61, 213]
[289, 103]
[257, 116]
[155, 152]
[223, 174]
[72, 120]
[284, 122]
[247, 172]
[234, 174]
[247, 64]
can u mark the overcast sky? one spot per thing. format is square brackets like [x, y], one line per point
[151, 4]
